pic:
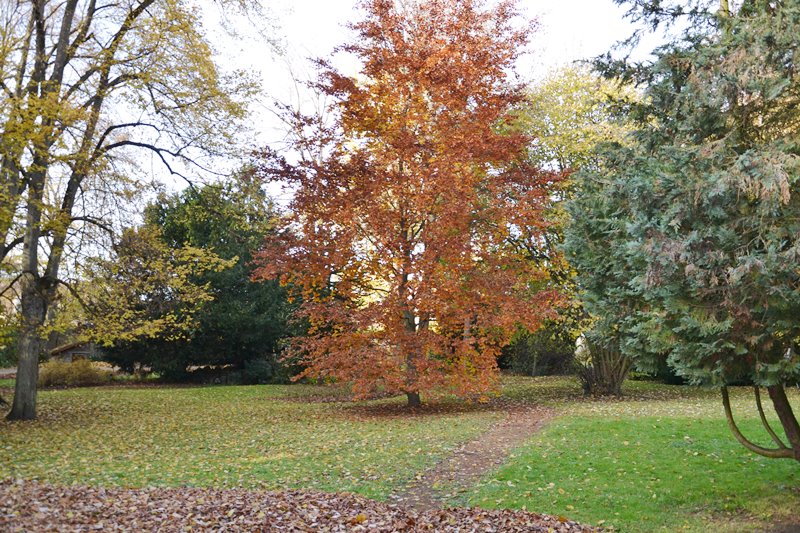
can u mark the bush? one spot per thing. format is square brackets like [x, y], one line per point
[546, 352]
[257, 371]
[83, 372]
[8, 343]
[601, 367]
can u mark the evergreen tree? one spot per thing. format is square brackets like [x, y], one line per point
[687, 242]
[245, 322]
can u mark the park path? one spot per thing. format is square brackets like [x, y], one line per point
[472, 461]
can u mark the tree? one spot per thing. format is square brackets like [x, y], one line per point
[398, 234]
[246, 320]
[87, 86]
[692, 232]
[571, 112]
[144, 290]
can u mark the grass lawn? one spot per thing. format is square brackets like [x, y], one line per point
[226, 437]
[661, 459]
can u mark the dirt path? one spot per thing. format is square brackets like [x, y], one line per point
[469, 463]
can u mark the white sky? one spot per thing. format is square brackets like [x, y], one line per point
[569, 30]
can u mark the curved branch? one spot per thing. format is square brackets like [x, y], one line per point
[177, 154]
[6, 249]
[110, 129]
[761, 414]
[75, 295]
[10, 285]
[755, 448]
[95, 222]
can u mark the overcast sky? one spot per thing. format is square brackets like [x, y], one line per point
[569, 30]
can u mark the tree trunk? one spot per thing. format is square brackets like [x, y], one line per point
[787, 417]
[606, 371]
[409, 321]
[30, 346]
[413, 399]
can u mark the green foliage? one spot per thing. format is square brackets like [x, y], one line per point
[547, 351]
[144, 290]
[244, 320]
[263, 370]
[567, 114]
[687, 242]
[82, 372]
[8, 341]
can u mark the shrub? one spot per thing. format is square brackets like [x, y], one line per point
[546, 352]
[601, 367]
[8, 342]
[83, 372]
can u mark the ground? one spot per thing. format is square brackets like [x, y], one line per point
[660, 459]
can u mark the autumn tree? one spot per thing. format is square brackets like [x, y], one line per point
[143, 289]
[87, 88]
[688, 237]
[398, 234]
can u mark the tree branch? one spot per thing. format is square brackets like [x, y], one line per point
[11, 284]
[761, 414]
[110, 129]
[766, 452]
[4, 251]
[95, 222]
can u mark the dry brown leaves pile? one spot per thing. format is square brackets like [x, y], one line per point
[30, 506]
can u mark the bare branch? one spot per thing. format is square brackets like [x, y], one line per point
[110, 129]
[11, 284]
[95, 222]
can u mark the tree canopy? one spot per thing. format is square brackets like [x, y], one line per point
[86, 88]
[686, 241]
[398, 235]
[243, 320]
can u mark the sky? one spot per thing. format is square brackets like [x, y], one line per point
[569, 30]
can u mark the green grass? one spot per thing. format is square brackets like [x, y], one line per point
[662, 459]
[224, 437]
[643, 465]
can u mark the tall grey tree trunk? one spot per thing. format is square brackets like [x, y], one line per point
[34, 310]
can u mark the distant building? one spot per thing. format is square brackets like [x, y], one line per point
[75, 351]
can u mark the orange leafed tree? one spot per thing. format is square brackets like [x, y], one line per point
[397, 237]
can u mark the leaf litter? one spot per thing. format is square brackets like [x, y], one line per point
[33, 506]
